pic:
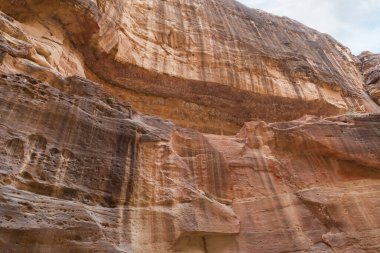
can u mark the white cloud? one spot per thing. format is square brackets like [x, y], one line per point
[355, 23]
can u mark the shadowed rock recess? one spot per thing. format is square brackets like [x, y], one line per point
[192, 126]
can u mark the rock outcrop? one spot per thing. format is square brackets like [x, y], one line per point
[371, 71]
[183, 126]
[216, 61]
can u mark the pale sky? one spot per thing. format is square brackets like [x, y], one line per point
[354, 23]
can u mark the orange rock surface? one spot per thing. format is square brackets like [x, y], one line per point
[183, 126]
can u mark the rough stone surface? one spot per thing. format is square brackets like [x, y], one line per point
[370, 66]
[216, 61]
[112, 115]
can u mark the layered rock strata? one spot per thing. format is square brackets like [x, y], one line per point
[86, 167]
[82, 172]
[214, 61]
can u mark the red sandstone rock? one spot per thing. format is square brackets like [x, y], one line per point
[227, 66]
[82, 171]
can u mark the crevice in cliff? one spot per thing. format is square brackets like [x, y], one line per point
[329, 245]
[205, 244]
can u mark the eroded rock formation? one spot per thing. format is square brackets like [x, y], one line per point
[370, 66]
[214, 61]
[112, 115]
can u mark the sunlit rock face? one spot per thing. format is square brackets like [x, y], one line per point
[183, 126]
[216, 61]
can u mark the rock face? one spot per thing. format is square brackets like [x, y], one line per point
[371, 71]
[112, 121]
[216, 61]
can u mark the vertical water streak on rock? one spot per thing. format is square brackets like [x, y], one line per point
[181, 18]
[133, 170]
[124, 202]
[117, 171]
[293, 221]
[122, 207]
[274, 197]
[220, 18]
[9, 109]
[67, 156]
[189, 155]
[65, 135]
[200, 44]
[123, 214]
[39, 160]
[36, 123]
[234, 32]
[364, 219]
[162, 19]
[149, 21]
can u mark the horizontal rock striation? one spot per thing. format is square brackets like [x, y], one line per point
[183, 126]
[227, 66]
[82, 172]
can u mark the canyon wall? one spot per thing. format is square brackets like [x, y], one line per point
[216, 62]
[370, 67]
[183, 126]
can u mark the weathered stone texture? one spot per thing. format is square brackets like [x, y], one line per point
[370, 66]
[215, 61]
[183, 126]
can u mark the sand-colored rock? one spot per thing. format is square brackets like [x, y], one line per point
[81, 172]
[215, 61]
[95, 157]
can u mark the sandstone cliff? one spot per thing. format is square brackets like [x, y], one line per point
[370, 67]
[183, 126]
[216, 62]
